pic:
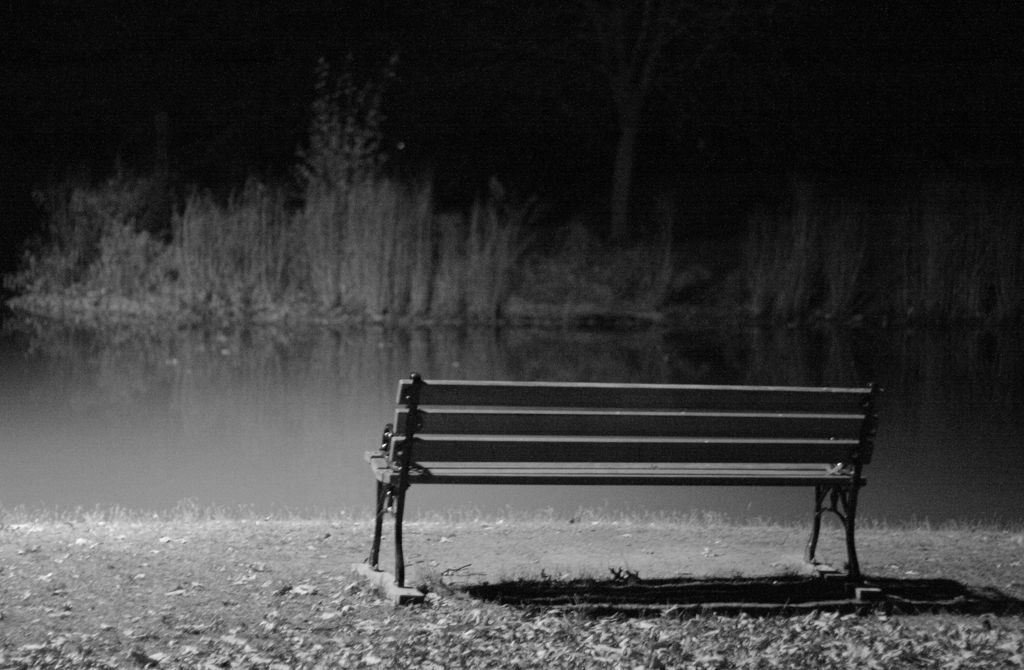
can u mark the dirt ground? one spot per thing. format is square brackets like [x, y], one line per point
[182, 584]
[499, 551]
[108, 557]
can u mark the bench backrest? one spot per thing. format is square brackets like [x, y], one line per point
[499, 421]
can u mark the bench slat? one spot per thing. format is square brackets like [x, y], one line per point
[591, 473]
[555, 449]
[582, 422]
[637, 396]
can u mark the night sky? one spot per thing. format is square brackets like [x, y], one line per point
[848, 89]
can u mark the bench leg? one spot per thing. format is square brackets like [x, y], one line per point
[378, 525]
[399, 553]
[812, 544]
[849, 520]
[842, 503]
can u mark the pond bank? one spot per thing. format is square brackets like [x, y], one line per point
[188, 590]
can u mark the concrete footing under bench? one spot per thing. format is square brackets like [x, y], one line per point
[385, 583]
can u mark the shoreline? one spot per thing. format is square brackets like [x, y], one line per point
[99, 310]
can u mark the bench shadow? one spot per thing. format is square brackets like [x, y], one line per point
[758, 595]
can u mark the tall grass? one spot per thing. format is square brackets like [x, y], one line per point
[234, 258]
[367, 247]
[811, 258]
[783, 259]
[937, 251]
[344, 240]
[844, 256]
[961, 249]
[492, 248]
[374, 249]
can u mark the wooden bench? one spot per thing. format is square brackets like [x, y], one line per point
[496, 433]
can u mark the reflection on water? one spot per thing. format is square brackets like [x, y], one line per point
[279, 420]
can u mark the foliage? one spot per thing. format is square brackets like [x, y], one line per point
[345, 136]
[131, 264]
[578, 275]
[359, 244]
[95, 252]
[79, 216]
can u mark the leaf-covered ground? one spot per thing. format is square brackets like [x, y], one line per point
[279, 593]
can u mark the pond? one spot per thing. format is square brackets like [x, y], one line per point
[276, 420]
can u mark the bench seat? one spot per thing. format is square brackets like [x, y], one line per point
[710, 474]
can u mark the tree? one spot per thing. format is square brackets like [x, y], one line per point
[634, 47]
[614, 54]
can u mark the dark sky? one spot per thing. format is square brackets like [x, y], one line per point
[845, 87]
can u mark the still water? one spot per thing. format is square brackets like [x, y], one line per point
[275, 421]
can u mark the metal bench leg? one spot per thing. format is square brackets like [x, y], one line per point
[843, 503]
[399, 553]
[812, 544]
[383, 492]
[378, 525]
[849, 521]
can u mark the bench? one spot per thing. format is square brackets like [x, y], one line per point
[498, 432]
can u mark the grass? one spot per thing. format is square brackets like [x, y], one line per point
[201, 588]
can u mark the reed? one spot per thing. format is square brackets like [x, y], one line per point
[367, 247]
[961, 248]
[375, 248]
[783, 259]
[938, 251]
[233, 258]
[843, 245]
[372, 249]
[449, 279]
[925, 232]
[492, 249]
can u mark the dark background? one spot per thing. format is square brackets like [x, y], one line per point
[852, 92]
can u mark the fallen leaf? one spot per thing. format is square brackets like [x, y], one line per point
[143, 659]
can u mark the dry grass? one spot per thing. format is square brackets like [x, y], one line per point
[373, 250]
